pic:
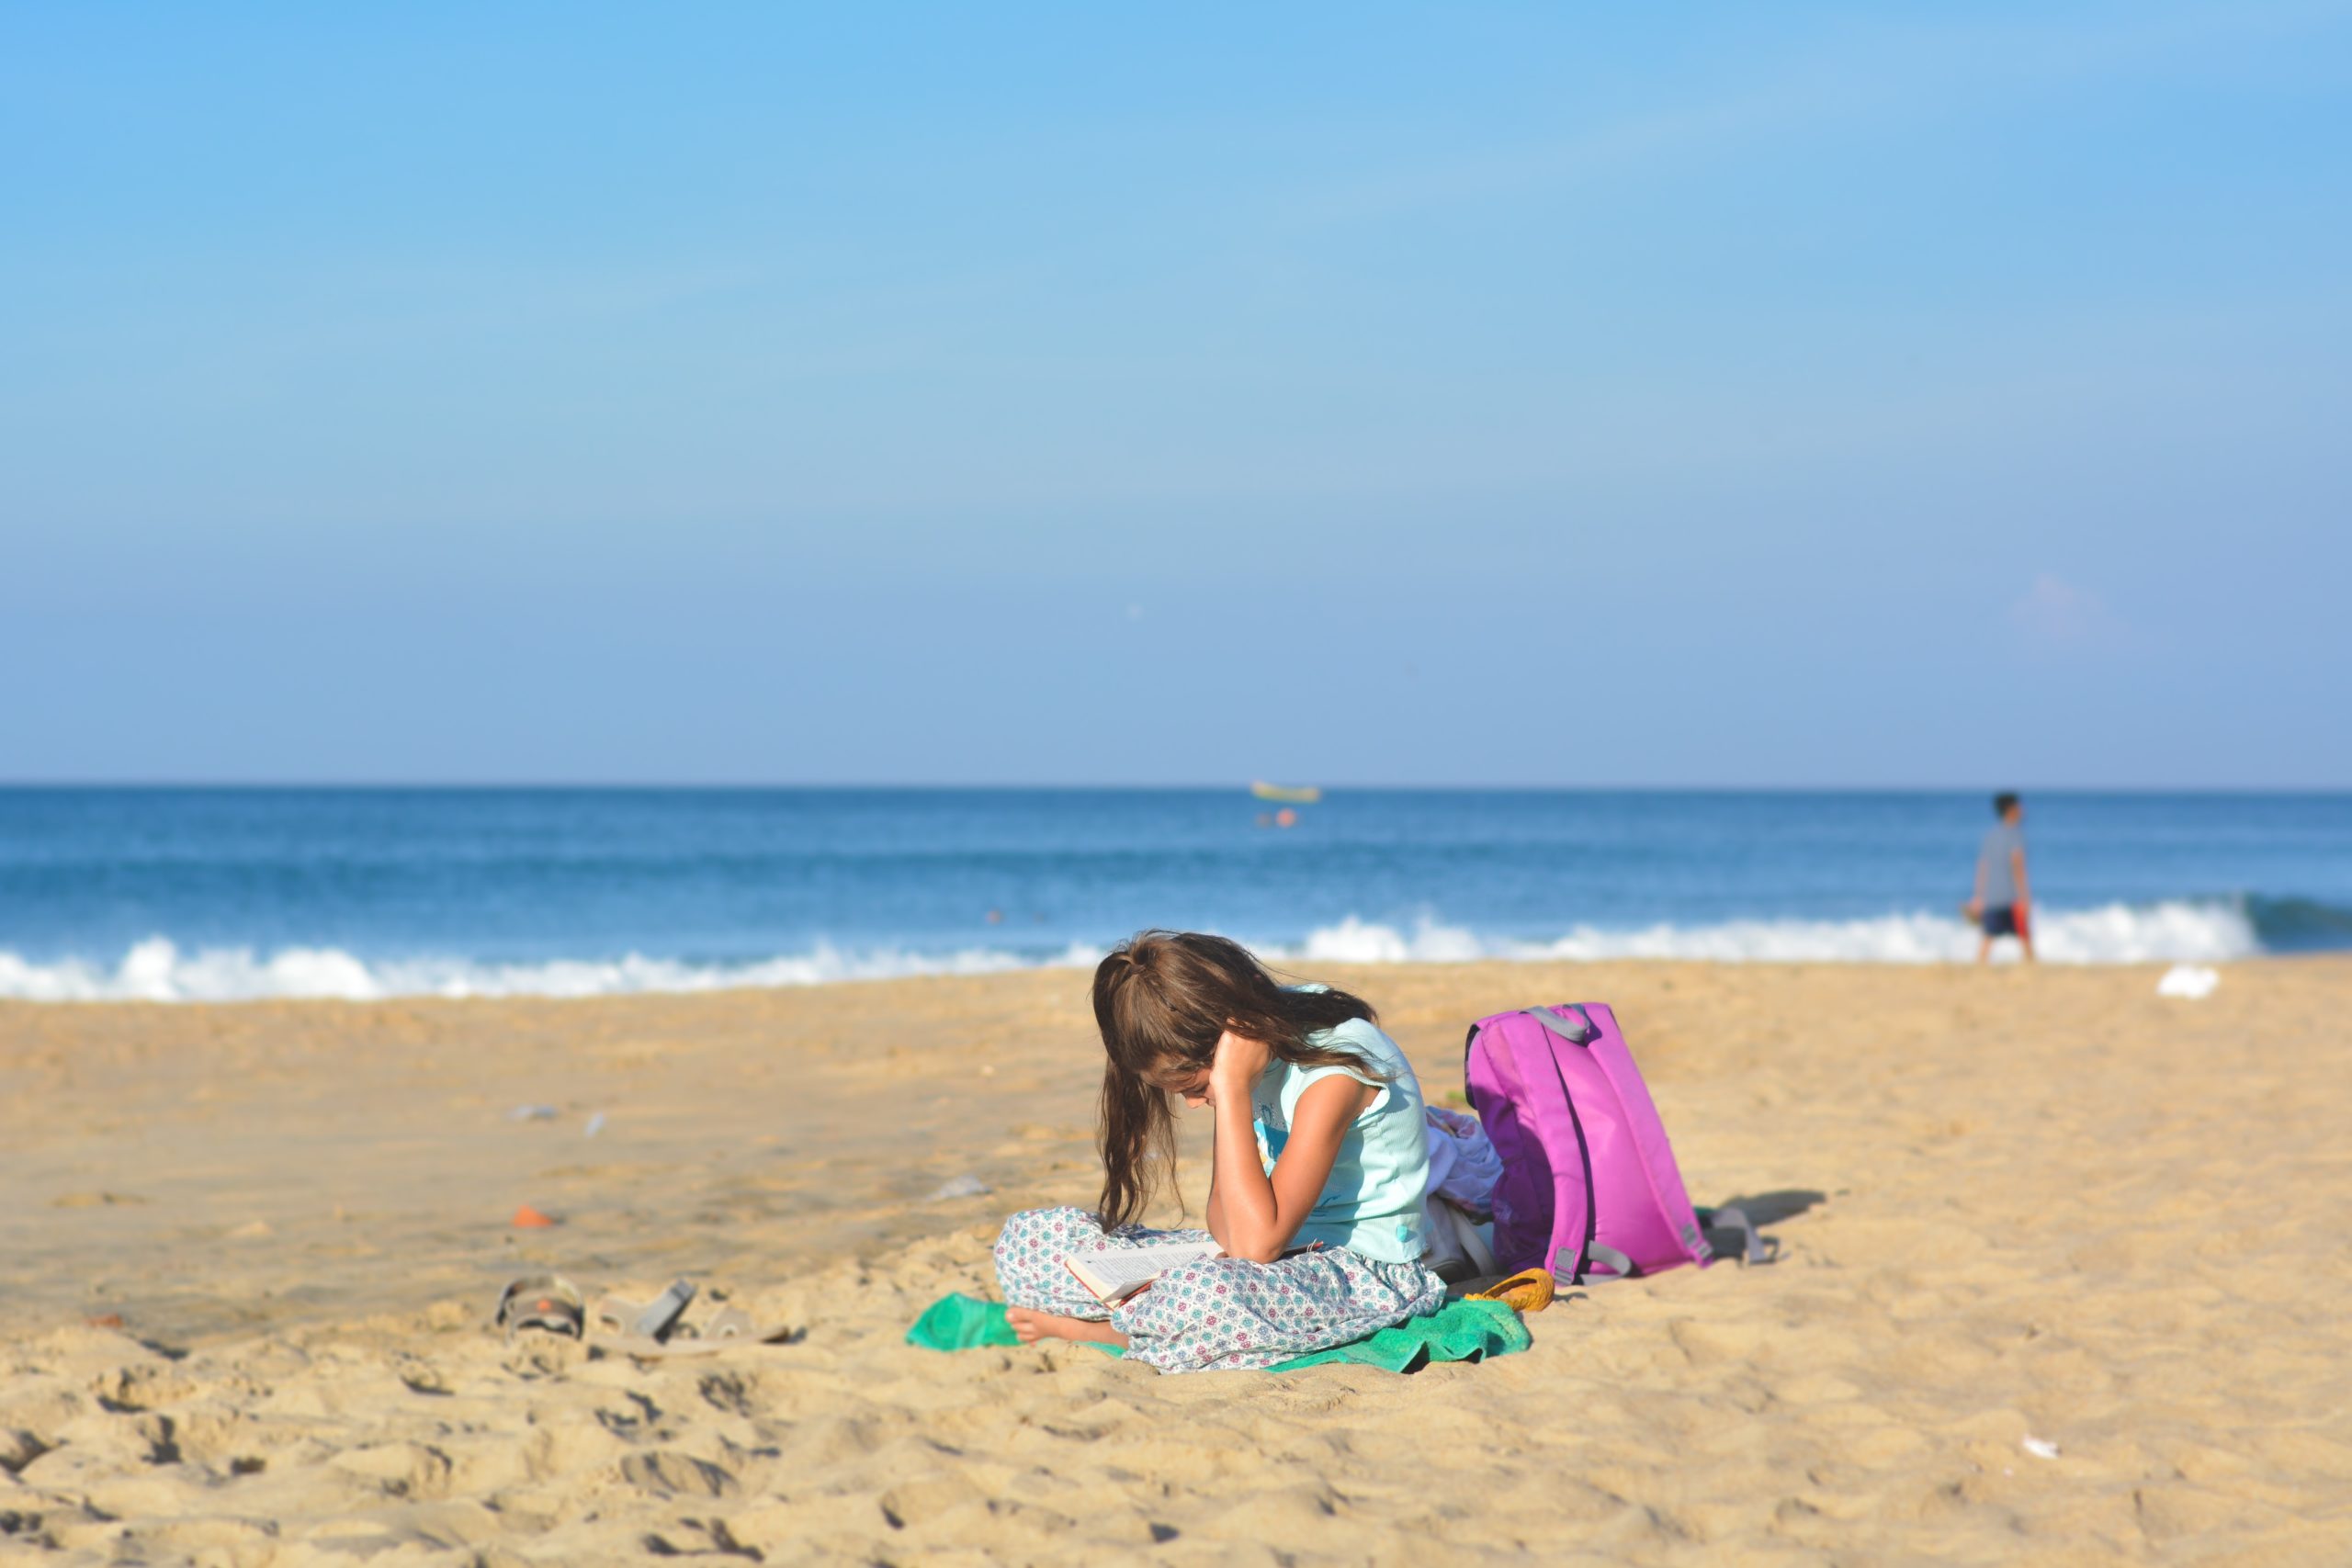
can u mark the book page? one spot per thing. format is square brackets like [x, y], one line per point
[1115, 1274]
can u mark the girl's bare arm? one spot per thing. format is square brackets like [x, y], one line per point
[1259, 1214]
[1217, 1208]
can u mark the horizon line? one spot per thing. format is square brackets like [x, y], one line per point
[1195, 786]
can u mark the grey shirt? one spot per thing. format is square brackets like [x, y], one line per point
[1993, 860]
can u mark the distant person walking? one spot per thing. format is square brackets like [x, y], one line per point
[2003, 904]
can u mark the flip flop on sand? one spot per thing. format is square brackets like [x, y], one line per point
[618, 1323]
[547, 1302]
[1528, 1290]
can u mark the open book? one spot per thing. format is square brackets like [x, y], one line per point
[1115, 1273]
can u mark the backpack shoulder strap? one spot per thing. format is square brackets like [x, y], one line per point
[1744, 1241]
[1578, 1031]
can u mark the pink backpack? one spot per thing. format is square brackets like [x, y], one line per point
[1590, 1188]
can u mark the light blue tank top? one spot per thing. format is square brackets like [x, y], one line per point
[1371, 1201]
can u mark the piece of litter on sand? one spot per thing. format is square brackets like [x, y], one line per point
[595, 1125]
[2041, 1447]
[2190, 982]
[526, 1218]
[959, 1187]
[532, 1114]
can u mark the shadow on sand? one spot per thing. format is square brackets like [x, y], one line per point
[1732, 1239]
[1771, 1208]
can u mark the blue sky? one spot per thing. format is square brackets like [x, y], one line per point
[1537, 395]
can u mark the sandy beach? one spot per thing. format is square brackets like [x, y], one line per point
[248, 1253]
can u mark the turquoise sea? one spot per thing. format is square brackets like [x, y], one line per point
[197, 894]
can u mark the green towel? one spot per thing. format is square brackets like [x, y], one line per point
[1459, 1331]
[959, 1322]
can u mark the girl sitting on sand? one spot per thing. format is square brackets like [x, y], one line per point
[1315, 1189]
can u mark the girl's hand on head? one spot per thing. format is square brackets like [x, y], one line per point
[1241, 1062]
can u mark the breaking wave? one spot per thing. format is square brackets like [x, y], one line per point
[2114, 933]
[158, 970]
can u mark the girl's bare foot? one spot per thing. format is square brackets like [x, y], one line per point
[1032, 1327]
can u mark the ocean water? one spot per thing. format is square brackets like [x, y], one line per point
[212, 893]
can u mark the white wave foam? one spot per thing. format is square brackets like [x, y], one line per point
[2114, 933]
[156, 970]
[1361, 941]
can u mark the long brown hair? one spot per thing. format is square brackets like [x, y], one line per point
[1161, 999]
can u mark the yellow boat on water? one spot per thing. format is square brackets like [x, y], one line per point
[1304, 795]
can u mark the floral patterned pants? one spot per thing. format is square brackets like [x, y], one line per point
[1221, 1313]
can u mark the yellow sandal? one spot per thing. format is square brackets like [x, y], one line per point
[1528, 1290]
